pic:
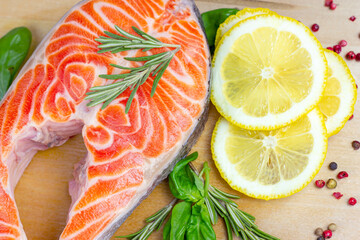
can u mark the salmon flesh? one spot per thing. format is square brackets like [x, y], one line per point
[127, 154]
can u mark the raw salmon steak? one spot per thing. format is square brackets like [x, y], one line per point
[127, 154]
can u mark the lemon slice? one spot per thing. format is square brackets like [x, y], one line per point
[239, 16]
[268, 71]
[339, 98]
[270, 164]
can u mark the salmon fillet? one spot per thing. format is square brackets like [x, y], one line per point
[128, 154]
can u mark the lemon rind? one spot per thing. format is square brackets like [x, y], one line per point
[354, 93]
[220, 31]
[272, 196]
[285, 123]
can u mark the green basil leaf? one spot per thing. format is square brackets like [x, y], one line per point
[14, 47]
[212, 20]
[184, 183]
[199, 227]
[166, 230]
[180, 216]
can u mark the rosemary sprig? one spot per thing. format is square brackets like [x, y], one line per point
[218, 204]
[154, 222]
[154, 66]
[236, 220]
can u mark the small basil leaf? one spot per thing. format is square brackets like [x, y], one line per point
[179, 218]
[14, 47]
[166, 230]
[184, 183]
[199, 227]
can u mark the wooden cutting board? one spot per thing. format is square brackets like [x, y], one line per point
[42, 193]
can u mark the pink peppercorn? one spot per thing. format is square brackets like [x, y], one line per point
[315, 27]
[337, 49]
[332, 6]
[352, 201]
[350, 55]
[320, 183]
[327, 234]
[342, 175]
[343, 43]
[352, 18]
[330, 48]
[357, 57]
[328, 2]
[352, 116]
[337, 195]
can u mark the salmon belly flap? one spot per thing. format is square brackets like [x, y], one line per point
[127, 154]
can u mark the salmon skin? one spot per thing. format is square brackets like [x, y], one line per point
[128, 154]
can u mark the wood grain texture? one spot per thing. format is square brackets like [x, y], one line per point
[42, 194]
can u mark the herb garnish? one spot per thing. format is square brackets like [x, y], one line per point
[201, 205]
[155, 65]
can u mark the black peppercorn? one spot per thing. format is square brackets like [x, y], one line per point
[333, 166]
[320, 238]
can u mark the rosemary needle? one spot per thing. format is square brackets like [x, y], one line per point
[154, 66]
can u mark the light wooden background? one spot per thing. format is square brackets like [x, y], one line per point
[42, 194]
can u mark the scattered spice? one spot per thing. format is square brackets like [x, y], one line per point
[337, 195]
[320, 238]
[332, 227]
[342, 175]
[328, 2]
[330, 48]
[357, 58]
[327, 234]
[352, 201]
[352, 116]
[320, 183]
[356, 145]
[352, 18]
[315, 27]
[337, 49]
[331, 183]
[350, 55]
[332, 6]
[343, 43]
[333, 166]
[318, 231]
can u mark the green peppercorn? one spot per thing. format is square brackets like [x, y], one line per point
[332, 227]
[333, 166]
[331, 183]
[318, 232]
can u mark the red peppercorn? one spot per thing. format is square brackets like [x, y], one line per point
[350, 55]
[337, 195]
[355, 145]
[315, 27]
[327, 234]
[328, 2]
[357, 58]
[342, 175]
[352, 116]
[343, 43]
[337, 49]
[330, 48]
[352, 18]
[352, 201]
[332, 6]
[320, 183]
